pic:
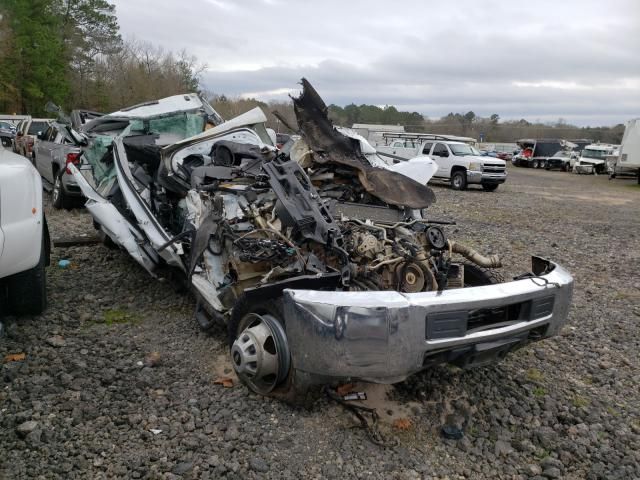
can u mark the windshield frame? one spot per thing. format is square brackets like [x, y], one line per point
[595, 154]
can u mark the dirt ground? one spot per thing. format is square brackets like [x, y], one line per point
[118, 381]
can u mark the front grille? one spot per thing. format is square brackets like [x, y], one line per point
[486, 317]
[493, 168]
[462, 322]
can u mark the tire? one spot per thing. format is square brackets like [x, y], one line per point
[459, 180]
[28, 290]
[475, 276]
[291, 386]
[535, 164]
[490, 187]
[59, 199]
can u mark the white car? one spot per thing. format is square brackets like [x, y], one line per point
[24, 237]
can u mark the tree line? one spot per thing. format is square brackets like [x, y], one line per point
[490, 129]
[71, 52]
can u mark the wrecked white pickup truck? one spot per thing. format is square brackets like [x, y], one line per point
[318, 258]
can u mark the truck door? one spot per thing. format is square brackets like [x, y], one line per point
[397, 147]
[442, 157]
[44, 146]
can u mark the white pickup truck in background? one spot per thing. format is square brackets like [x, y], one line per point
[458, 162]
[593, 158]
[24, 237]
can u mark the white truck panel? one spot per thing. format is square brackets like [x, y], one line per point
[630, 147]
[21, 215]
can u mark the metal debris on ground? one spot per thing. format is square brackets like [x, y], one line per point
[360, 411]
[76, 241]
[451, 432]
[354, 396]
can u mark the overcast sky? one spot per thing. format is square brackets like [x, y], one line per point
[539, 60]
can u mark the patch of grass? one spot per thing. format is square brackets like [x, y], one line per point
[542, 453]
[612, 411]
[116, 316]
[539, 392]
[579, 401]
[534, 375]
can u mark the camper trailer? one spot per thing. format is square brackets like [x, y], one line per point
[628, 159]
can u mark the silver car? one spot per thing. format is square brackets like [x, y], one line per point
[54, 149]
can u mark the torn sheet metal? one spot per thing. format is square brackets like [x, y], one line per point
[331, 146]
[146, 220]
[113, 224]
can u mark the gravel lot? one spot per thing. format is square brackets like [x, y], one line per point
[118, 382]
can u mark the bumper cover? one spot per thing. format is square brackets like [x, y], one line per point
[385, 336]
[485, 177]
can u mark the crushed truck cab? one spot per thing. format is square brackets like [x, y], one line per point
[319, 257]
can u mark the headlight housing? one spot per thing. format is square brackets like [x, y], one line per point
[475, 166]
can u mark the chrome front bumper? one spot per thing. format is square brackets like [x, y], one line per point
[485, 177]
[385, 336]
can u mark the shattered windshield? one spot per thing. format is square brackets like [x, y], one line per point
[165, 130]
[172, 128]
[461, 150]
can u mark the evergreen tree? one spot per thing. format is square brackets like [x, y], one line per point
[34, 68]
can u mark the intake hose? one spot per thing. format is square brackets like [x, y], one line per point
[474, 256]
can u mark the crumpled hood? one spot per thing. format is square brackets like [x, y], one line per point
[331, 146]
